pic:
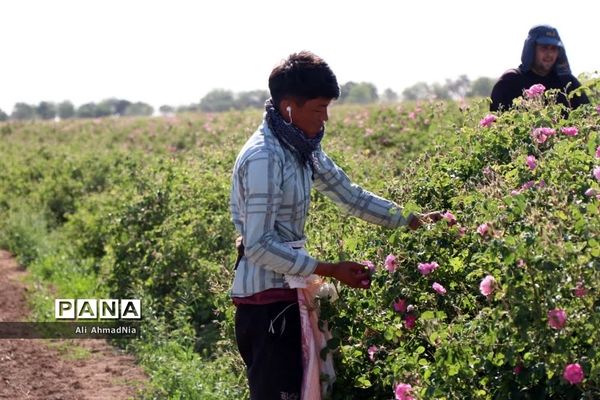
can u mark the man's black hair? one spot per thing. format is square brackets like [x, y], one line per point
[303, 76]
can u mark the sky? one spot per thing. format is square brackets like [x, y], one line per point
[175, 51]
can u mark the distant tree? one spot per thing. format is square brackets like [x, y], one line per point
[439, 91]
[481, 87]
[106, 108]
[87, 110]
[389, 96]
[66, 110]
[166, 109]
[418, 91]
[458, 89]
[189, 108]
[23, 111]
[46, 110]
[217, 100]
[251, 99]
[345, 90]
[362, 93]
[121, 106]
[3, 116]
[139, 109]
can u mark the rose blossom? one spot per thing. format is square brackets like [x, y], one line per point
[372, 350]
[580, 290]
[487, 285]
[596, 173]
[557, 318]
[483, 229]
[531, 162]
[402, 391]
[540, 135]
[369, 265]
[534, 90]
[439, 288]
[569, 130]
[487, 120]
[427, 268]
[573, 373]
[400, 306]
[448, 216]
[410, 320]
[517, 369]
[390, 263]
[598, 150]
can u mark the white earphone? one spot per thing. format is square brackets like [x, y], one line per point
[289, 110]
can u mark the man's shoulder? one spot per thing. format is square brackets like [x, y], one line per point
[511, 75]
[262, 144]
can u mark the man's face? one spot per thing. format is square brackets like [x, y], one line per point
[311, 116]
[545, 57]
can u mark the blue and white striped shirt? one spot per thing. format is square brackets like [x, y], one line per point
[270, 198]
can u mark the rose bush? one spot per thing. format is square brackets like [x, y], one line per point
[497, 300]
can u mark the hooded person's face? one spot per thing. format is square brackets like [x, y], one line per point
[545, 58]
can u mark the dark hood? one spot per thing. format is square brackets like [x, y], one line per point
[544, 34]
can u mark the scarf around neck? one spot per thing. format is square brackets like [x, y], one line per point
[291, 137]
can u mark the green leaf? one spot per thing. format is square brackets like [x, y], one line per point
[363, 382]
[427, 315]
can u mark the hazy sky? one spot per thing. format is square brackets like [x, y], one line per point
[175, 51]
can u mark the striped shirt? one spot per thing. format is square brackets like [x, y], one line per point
[270, 198]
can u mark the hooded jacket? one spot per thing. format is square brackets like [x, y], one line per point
[512, 83]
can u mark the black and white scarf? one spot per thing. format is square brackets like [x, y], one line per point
[291, 137]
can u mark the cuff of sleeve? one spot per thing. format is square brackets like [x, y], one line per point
[305, 265]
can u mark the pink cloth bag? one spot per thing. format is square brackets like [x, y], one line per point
[313, 341]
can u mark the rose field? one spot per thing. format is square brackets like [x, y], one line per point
[499, 300]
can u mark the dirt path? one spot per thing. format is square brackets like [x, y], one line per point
[52, 369]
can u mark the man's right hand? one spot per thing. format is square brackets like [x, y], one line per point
[350, 273]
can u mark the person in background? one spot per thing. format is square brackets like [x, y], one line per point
[543, 61]
[275, 325]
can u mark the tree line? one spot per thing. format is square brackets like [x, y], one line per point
[219, 100]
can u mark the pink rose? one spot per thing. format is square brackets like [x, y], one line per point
[540, 135]
[521, 263]
[596, 173]
[400, 306]
[372, 350]
[448, 216]
[487, 285]
[591, 192]
[483, 229]
[517, 369]
[573, 373]
[580, 289]
[409, 321]
[427, 268]
[557, 318]
[531, 162]
[369, 265]
[534, 91]
[487, 120]
[402, 391]
[569, 131]
[598, 150]
[390, 263]
[439, 288]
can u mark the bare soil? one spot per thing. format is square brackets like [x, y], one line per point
[53, 369]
